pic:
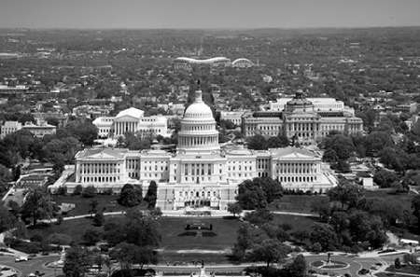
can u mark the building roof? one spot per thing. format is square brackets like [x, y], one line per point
[292, 153]
[133, 112]
[102, 153]
[205, 61]
[198, 110]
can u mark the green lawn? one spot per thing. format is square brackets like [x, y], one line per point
[107, 202]
[295, 203]
[171, 228]
[298, 223]
[73, 228]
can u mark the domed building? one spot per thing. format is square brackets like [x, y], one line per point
[200, 174]
[198, 128]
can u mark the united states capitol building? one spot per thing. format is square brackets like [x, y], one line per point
[201, 173]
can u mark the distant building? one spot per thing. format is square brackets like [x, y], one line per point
[303, 121]
[188, 63]
[10, 127]
[104, 125]
[235, 117]
[41, 129]
[406, 108]
[242, 63]
[131, 120]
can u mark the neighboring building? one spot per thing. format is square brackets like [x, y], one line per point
[234, 117]
[263, 123]
[320, 104]
[9, 127]
[187, 63]
[303, 121]
[153, 126]
[131, 120]
[406, 108]
[200, 174]
[242, 63]
[104, 125]
[41, 129]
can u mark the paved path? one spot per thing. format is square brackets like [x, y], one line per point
[36, 264]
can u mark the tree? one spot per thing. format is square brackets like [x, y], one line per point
[127, 254]
[98, 219]
[259, 216]
[77, 262]
[341, 144]
[348, 194]
[415, 206]
[37, 205]
[376, 141]
[330, 156]
[258, 193]
[384, 178]
[234, 208]
[91, 237]
[322, 207]
[277, 142]
[78, 190]
[251, 196]
[151, 195]
[397, 263]
[325, 236]
[272, 188]
[7, 219]
[89, 192]
[298, 267]
[84, 131]
[269, 251]
[130, 196]
[257, 142]
[141, 229]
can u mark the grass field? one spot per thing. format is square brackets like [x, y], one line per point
[298, 223]
[171, 228]
[295, 203]
[107, 202]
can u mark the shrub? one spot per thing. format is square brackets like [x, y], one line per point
[62, 190]
[60, 239]
[89, 192]
[91, 236]
[78, 190]
[98, 219]
[107, 192]
[37, 238]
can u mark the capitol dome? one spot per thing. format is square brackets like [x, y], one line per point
[198, 110]
[198, 128]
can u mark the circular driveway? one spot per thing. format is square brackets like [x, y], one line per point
[36, 264]
[355, 263]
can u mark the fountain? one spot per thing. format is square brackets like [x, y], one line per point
[60, 262]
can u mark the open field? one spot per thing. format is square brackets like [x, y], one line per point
[171, 228]
[173, 233]
[106, 202]
[295, 203]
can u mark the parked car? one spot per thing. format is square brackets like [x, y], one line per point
[21, 259]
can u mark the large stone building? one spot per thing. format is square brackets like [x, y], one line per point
[131, 120]
[200, 173]
[304, 120]
[39, 130]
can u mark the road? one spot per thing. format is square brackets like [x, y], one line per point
[36, 264]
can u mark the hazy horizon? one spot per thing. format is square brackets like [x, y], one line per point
[215, 14]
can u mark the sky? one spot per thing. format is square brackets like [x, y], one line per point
[213, 14]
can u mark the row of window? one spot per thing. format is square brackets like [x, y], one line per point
[300, 179]
[100, 179]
